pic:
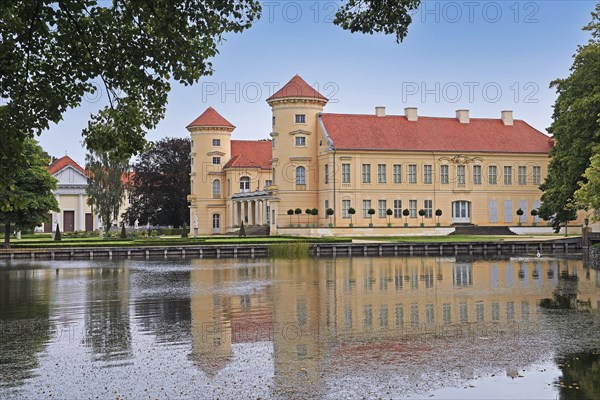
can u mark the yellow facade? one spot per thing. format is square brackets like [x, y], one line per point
[308, 170]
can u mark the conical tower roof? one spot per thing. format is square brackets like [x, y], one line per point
[211, 118]
[297, 88]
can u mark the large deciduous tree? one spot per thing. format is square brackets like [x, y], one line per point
[105, 187]
[161, 183]
[27, 203]
[575, 127]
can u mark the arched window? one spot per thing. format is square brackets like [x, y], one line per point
[216, 188]
[244, 184]
[300, 176]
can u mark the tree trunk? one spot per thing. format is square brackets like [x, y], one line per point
[7, 235]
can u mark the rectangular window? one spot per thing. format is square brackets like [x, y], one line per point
[399, 313]
[492, 174]
[345, 173]
[300, 141]
[479, 311]
[414, 314]
[383, 315]
[228, 187]
[326, 173]
[429, 314]
[493, 211]
[412, 173]
[522, 175]
[537, 175]
[427, 174]
[444, 179]
[216, 142]
[381, 173]
[447, 313]
[463, 312]
[495, 311]
[366, 173]
[460, 174]
[268, 182]
[428, 207]
[510, 310]
[273, 143]
[216, 160]
[508, 211]
[397, 173]
[508, 175]
[368, 315]
[273, 120]
[345, 207]
[381, 208]
[300, 118]
[412, 207]
[397, 208]
[477, 174]
[326, 205]
[366, 207]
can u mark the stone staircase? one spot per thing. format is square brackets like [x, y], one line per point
[468, 229]
[261, 230]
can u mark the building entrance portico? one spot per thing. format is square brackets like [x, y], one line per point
[251, 207]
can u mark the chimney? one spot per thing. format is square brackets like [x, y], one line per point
[462, 116]
[507, 117]
[380, 111]
[411, 113]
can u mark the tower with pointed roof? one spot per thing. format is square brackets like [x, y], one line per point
[295, 137]
[211, 149]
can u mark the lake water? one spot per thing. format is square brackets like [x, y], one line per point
[419, 327]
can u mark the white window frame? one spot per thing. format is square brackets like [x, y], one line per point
[444, 174]
[366, 173]
[216, 160]
[493, 175]
[300, 175]
[412, 207]
[381, 208]
[366, 208]
[507, 175]
[412, 173]
[300, 118]
[522, 175]
[461, 174]
[345, 208]
[300, 141]
[345, 173]
[381, 173]
[397, 208]
[216, 189]
[216, 142]
[428, 207]
[427, 174]
[397, 173]
[537, 175]
[477, 174]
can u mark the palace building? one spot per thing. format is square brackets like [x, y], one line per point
[474, 170]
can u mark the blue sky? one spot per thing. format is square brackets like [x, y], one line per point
[485, 56]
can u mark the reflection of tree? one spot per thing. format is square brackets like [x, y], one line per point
[580, 378]
[107, 329]
[565, 293]
[25, 328]
[166, 315]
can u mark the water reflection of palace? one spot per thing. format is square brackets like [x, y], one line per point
[323, 309]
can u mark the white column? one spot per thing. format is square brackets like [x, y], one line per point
[243, 207]
[80, 214]
[264, 213]
[235, 213]
[256, 212]
[250, 221]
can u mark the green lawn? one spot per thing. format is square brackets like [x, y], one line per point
[443, 239]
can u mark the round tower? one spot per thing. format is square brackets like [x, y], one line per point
[295, 110]
[211, 149]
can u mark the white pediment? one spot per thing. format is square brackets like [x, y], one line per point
[70, 176]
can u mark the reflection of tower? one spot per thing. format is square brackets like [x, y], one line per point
[300, 326]
[211, 331]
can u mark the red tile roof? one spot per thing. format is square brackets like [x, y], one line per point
[369, 132]
[62, 163]
[210, 117]
[250, 154]
[296, 88]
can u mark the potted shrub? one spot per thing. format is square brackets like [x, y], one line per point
[371, 212]
[389, 213]
[438, 214]
[314, 213]
[351, 211]
[519, 213]
[298, 211]
[308, 212]
[534, 214]
[290, 212]
[406, 213]
[329, 213]
[422, 215]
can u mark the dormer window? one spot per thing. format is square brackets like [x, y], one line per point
[300, 118]
[300, 141]
[216, 142]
